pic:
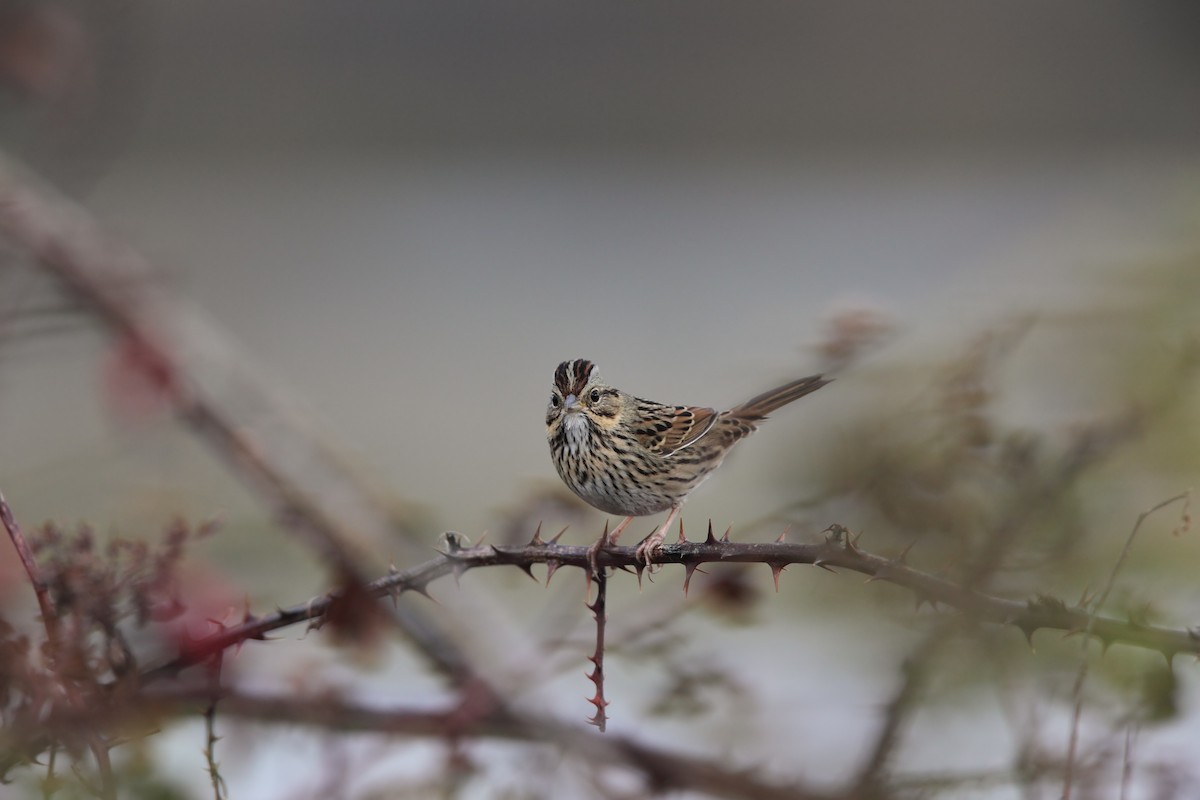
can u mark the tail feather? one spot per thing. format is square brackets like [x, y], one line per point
[759, 406]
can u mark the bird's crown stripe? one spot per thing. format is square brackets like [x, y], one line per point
[572, 376]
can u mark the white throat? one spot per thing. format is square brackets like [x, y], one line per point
[576, 427]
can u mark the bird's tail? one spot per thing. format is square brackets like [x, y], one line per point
[759, 406]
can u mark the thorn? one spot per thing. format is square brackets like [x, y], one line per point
[558, 535]
[527, 568]
[458, 570]
[640, 567]
[423, 590]
[682, 538]
[820, 562]
[552, 565]
[536, 541]
[725, 536]
[482, 536]
[852, 542]
[775, 570]
[783, 535]
[687, 578]
[710, 539]
[1028, 629]
[1169, 655]
[495, 550]
[903, 557]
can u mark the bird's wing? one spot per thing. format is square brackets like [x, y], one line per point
[665, 430]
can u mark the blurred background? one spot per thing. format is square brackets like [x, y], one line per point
[406, 214]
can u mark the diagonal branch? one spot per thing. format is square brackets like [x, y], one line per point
[111, 280]
[45, 604]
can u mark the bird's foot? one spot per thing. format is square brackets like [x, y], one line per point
[650, 548]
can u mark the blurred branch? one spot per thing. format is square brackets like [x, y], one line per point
[29, 563]
[1089, 447]
[111, 281]
[1081, 675]
[662, 770]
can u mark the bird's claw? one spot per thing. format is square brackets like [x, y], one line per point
[650, 548]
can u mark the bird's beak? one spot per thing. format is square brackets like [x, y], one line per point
[570, 403]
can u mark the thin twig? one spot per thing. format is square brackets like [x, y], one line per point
[45, 604]
[108, 781]
[210, 730]
[1081, 675]
[50, 780]
[1131, 735]
[914, 673]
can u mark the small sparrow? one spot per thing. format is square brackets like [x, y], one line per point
[633, 457]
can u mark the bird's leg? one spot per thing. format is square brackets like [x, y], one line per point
[606, 540]
[652, 544]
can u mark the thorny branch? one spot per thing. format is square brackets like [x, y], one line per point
[839, 550]
[596, 676]
[64, 241]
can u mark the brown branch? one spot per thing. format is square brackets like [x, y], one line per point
[914, 672]
[45, 604]
[662, 770]
[111, 280]
[836, 552]
[599, 612]
[210, 730]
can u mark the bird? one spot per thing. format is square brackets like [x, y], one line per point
[633, 457]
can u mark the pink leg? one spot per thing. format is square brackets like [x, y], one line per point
[612, 537]
[604, 541]
[652, 544]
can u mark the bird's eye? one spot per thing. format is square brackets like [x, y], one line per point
[554, 401]
[595, 395]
